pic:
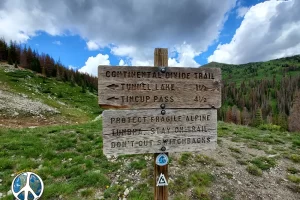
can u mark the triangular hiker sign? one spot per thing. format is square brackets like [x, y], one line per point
[162, 181]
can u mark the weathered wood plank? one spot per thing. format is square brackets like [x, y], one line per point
[160, 193]
[147, 131]
[148, 87]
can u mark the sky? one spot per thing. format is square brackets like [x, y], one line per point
[84, 34]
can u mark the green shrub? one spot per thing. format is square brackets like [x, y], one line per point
[87, 193]
[60, 95]
[296, 143]
[201, 193]
[264, 163]
[293, 170]
[254, 170]
[270, 127]
[295, 158]
[294, 178]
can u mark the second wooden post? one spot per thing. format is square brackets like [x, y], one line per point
[160, 192]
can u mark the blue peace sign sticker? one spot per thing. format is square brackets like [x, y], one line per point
[162, 159]
[27, 186]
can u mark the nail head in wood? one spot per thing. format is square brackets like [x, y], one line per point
[162, 69]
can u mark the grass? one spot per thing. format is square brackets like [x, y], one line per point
[141, 192]
[179, 185]
[205, 160]
[294, 178]
[293, 170]
[295, 158]
[264, 163]
[63, 167]
[201, 178]
[228, 195]
[72, 164]
[138, 164]
[68, 100]
[183, 160]
[201, 182]
[70, 158]
[254, 170]
[235, 150]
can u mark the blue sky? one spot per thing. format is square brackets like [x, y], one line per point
[85, 34]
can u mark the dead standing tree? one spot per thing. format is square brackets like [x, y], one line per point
[294, 117]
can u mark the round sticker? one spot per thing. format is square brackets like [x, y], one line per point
[27, 186]
[162, 159]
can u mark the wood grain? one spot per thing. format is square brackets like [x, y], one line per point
[147, 131]
[148, 87]
[160, 193]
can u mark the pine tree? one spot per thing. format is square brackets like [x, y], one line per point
[258, 120]
[3, 49]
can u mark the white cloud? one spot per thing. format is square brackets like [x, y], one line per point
[133, 56]
[241, 11]
[269, 30]
[122, 63]
[57, 42]
[123, 50]
[92, 63]
[92, 45]
[22, 22]
[179, 56]
[72, 67]
[133, 27]
[186, 55]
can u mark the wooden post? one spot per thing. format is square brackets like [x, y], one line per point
[161, 192]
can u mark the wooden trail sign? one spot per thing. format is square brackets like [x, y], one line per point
[148, 131]
[166, 118]
[149, 87]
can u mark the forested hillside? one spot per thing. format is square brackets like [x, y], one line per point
[261, 92]
[252, 94]
[44, 64]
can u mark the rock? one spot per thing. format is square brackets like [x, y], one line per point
[99, 197]
[15, 114]
[9, 192]
[126, 192]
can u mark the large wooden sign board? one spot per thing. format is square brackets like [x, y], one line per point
[150, 87]
[148, 131]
